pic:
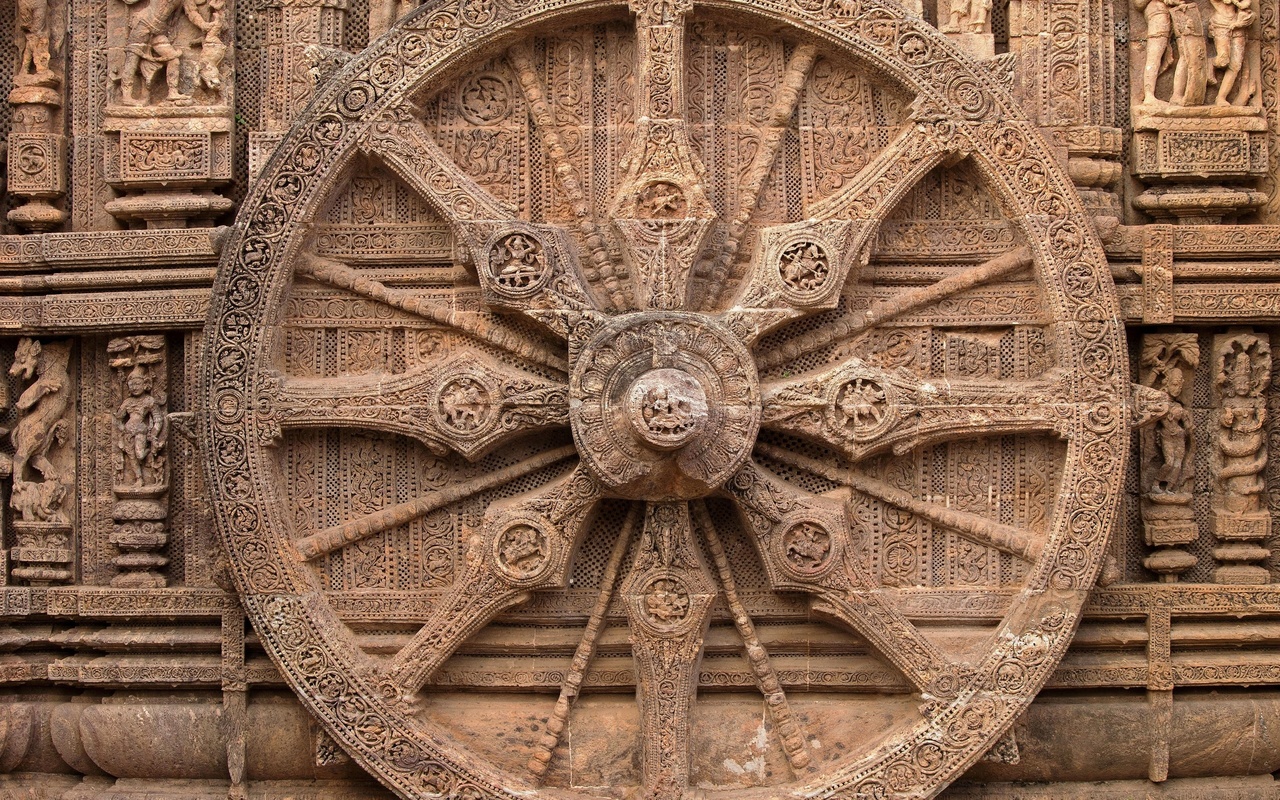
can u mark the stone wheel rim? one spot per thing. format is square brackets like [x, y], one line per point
[960, 103]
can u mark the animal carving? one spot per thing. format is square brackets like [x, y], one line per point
[41, 408]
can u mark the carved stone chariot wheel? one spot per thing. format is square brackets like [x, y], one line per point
[664, 373]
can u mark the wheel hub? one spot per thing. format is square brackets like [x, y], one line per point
[668, 405]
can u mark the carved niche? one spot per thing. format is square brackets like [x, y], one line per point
[633, 380]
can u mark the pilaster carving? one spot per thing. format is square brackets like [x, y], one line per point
[1240, 519]
[168, 120]
[141, 486]
[43, 463]
[300, 35]
[1199, 132]
[37, 149]
[1168, 455]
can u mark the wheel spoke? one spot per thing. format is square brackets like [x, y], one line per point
[485, 327]
[918, 148]
[862, 410]
[801, 267]
[790, 732]
[582, 657]
[599, 269]
[1022, 544]
[521, 266]
[903, 303]
[662, 214]
[329, 540]
[774, 129]
[464, 404]
[668, 595]
[524, 545]
[804, 544]
[404, 144]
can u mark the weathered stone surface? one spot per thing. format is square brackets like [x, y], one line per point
[663, 400]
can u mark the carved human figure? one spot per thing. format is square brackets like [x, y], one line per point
[142, 428]
[1229, 26]
[1241, 439]
[41, 408]
[1181, 20]
[150, 49]
[973, 13]
[1173, 435]
[384, 13]
[34, 39]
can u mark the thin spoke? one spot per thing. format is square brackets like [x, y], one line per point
[525, 545]
[780, 113]
[572, 684]
[668, 593]
[330, 539]
[790, 732]
[599, 268]
[485, 327]
[909, 300]
[977, 529]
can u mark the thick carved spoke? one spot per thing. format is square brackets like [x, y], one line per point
[405, 145]
[902, 303]
[520, 265]
[873, 192]
[805, 546]
[800, 267]
[775, 128]
[662, 214]
[524, 545]
[790, 732]
[862, 410]
[582, 657]
[668, 596]
[1025, 545]
[464, 404]
[599, 268]
[326, 541]
[485, 327]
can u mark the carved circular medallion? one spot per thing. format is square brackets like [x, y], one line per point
[668, 405]
[808, 547]
[862, 407]
[665, 603]
[805, 267]
[643, 414]
[485, 99]
[517, 264]
[522, 550]
[465, 404]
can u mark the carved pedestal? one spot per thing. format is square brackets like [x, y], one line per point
[1199, 162]
[140, 535]
[168, 161]
[42, 552]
